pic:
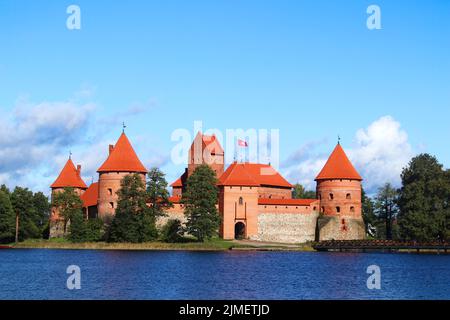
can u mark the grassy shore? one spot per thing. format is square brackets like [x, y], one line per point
[210, 245]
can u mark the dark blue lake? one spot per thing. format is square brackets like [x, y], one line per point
[41, 274]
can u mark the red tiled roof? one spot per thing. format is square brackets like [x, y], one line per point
[252, 174]
[123, 158]
[90, 196]
[175, 199]
[69, 177]
[287, 202]
[177, 183]
[338, 166]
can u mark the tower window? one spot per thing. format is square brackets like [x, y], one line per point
[241, 201]
[349, 196]
[322, 209]
[338, 209]
[110, 191]
[331, 196]
[352, 209]
[111, 204]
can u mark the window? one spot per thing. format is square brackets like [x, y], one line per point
[111, 204]
[322, 209]
[338, 209]
[349, 196]
[241, 201]
[315, 208]
[352, 209]
[343, 221]
[331, 196]
[110, 191]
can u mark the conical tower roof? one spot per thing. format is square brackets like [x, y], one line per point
[123, 158]
[338, 166]
[69, 177]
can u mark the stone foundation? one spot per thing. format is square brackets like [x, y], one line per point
[57, 229]
[340, 228]
[286, 228]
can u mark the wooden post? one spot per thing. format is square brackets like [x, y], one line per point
[17, 227]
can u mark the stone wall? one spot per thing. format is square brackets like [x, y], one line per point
[177, 212]
[340, 228]
[286, 227]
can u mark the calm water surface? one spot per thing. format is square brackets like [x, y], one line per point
[41, 274]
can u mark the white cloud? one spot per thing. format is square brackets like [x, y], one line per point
[34, 135]
[379, 153]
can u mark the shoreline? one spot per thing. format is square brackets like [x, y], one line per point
[216, 245]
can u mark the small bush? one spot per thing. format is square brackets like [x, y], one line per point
[172, 231]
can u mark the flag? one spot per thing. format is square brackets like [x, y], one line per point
[242, 143]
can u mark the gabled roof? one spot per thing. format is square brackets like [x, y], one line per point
[90, 196]
[123, 158]
[287, 202]
[338, 166]
[69, 177]
[179, 183]
[252, 174]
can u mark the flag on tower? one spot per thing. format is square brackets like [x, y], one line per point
[242, 143]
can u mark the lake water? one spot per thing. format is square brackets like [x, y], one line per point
[41, 274]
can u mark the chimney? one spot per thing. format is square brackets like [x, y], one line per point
[111, 148]
[79, 169]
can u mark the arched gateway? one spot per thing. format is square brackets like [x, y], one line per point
[239, 231]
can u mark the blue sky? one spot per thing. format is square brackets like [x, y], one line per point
[311, 69]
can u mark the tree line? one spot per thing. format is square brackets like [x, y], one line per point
[23, 215]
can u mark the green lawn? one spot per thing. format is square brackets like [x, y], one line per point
[213, 244]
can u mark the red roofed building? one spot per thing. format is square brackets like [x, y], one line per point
[122, 161]
[69, 177]
[255, 201]
[339, 192]
[100, 199]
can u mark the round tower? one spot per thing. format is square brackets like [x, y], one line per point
[339, 192]
[69, 177]
[122, 161]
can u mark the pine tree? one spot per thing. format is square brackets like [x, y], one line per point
[200, 200]
[386, 209]
[133, 221]
[157, 193]
[424, 200]
[299, 192]
[7, 218]
[23, 205]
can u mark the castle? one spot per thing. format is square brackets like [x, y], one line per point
[255, 201]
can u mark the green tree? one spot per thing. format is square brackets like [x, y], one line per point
[23, 204]
[386, 209]
[424, 200]
[368, 215]
[7, 218]
[69, 205]
[172, 231]
[42, 211]
[200, 200]
[133, 221]
[157, 193]
[299, 192]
